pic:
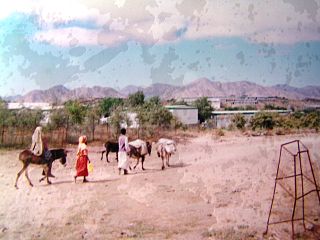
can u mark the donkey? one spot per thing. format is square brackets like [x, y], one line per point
[166, 147]
[110, 147]
[27, 158]
[136, 152]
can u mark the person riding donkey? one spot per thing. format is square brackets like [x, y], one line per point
[39, 147]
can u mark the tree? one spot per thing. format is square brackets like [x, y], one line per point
[93, 118]
[4, 117]
[204, 109]
[76, 116]
[152, 115]
[118, 117]
[76, 111]
[136, 99]
[155, 99]
[107, 104]
[58, 119]
[25, 118]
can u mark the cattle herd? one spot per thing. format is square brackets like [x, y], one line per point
[138, 150]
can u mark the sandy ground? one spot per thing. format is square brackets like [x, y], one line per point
[216, 188]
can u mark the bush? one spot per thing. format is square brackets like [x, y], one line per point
[264, 120]
[239, 121]
[311, 120]
[220, 132]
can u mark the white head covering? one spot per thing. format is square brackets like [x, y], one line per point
[82, 143]
[37, 144]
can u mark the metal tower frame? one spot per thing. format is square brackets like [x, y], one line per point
[298, 173]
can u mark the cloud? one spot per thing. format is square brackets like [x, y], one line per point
[288, 36]
[164, 72]
[67, 37]
[254, 20]
[44, 68]
[156, 22]
[103, 57]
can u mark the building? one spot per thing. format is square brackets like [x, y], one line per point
[215, 102]
[223, 119]
[45, 108]
[131, 116]
[30, 105]
[239, 101]
[186, 114]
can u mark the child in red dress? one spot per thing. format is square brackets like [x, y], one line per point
[82, 159]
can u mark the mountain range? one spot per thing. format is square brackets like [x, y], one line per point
[198, 88]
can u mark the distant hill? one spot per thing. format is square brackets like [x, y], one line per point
[198, 88]
[61, 94]
[204, 87]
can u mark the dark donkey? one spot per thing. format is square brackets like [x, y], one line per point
[136, 153]
[27, 158]
[110, 147]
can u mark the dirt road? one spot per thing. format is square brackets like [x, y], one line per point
[216, 188]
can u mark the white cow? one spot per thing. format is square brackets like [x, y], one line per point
[166, 147]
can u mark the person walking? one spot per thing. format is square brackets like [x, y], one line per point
[123, 161]
[82, 159]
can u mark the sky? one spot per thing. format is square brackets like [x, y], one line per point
[108, 43]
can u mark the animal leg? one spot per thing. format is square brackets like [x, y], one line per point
[49, 173]
[117, 156]
[19, 173]
[41, 179]
[142, 161]
[107, 153]
[46, 170]
[136, 163]
[27, 176]
[162, 162]
[167, 157]
[102, 154]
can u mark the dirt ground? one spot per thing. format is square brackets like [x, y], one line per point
[216, 188]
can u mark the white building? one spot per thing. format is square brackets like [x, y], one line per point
[223, 119]
[214, 102]
[132, 117]
[185, 114]
[45, 107]
[30, 105]
[133, 121]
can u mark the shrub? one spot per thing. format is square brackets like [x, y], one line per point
[239, 121]
[220, 132]
[264, 120]
[312, 120]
